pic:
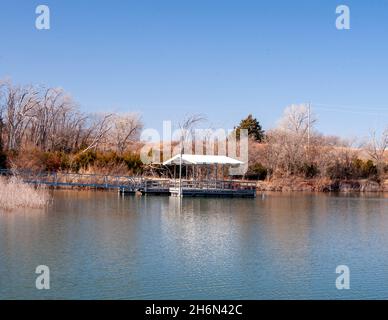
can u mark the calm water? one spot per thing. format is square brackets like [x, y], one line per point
[101, 245]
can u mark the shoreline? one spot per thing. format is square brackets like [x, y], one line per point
[142, 183]
[296, 184]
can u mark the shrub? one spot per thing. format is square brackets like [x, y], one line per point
[3, 156]
[340, 170]
[356, 169]
[3, 160]
[256, 172]
[84, 159]
[55, 161]
[133, 162]
[109, 158]
[309, 170]
[365, 169]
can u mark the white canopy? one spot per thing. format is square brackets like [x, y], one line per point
[193, 159]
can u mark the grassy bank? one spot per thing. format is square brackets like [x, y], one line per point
[16, 194]
[322, 185]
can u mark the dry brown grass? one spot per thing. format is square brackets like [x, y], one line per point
[16, 194]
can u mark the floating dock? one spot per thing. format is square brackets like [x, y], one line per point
[219, 189]
[213, 193]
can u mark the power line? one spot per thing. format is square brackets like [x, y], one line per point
[308, 125]
[351, 107]
[353, 111]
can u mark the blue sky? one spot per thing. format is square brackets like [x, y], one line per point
[225, 59]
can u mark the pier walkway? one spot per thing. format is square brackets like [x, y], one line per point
[134, 184]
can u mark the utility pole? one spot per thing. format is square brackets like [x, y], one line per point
[180, 168]
[308, 130]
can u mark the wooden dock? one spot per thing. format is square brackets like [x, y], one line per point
[143, 185]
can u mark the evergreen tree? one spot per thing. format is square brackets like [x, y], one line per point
[253, 126]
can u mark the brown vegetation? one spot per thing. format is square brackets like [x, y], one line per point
[16, 194]
[43, 129]
[294, 150]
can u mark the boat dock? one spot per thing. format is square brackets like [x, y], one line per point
[140, 185]
[220, 189]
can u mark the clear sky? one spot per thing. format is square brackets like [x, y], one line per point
[225, 59]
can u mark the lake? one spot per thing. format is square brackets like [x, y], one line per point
[100, 245]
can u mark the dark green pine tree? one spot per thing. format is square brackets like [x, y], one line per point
[253, 126]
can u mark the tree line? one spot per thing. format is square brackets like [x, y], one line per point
[49, 121]
[295, 148]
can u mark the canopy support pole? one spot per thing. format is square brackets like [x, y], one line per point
[216, 174]
[223, 176]
[180, 169]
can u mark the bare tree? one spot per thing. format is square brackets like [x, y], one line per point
[342, 157]
[125, 128]
[97, 129]
[55, 121]
[286, 146]
[2, 108]
[376, 148]
[186, 130]
[19, 105]
[296, 120]
[284, 154]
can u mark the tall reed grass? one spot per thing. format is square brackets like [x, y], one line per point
[14, 194]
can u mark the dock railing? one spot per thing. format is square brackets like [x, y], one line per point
[77, 179]
[124, 183]
[215, 184]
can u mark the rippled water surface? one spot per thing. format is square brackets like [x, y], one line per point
[99, 245]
